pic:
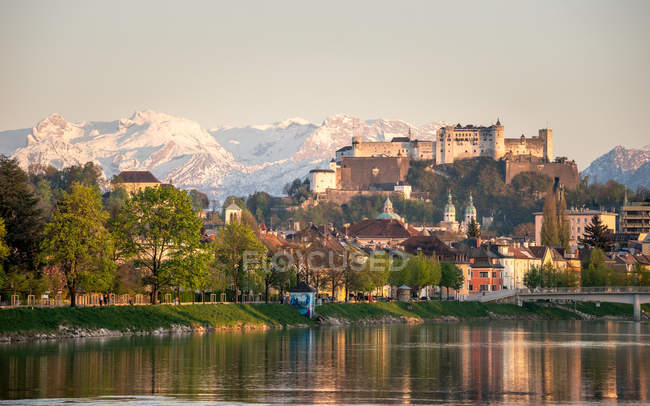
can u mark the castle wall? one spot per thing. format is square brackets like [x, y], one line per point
[359, 173]
[411, 149]
[525, 146]
[566, 171]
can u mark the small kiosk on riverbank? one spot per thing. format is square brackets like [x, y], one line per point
[302, 298]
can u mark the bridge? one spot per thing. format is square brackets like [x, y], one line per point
[634, 295]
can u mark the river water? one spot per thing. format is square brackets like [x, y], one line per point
[495, 362]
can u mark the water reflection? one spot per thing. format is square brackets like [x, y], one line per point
[493, 362]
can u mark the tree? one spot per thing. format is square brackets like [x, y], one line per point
[594, 271]
[23, 219]
[158, 228]
[533, 278]
[474, 229]
[564, 227]
[451, 277]
[200, 200]
[239, 253]
[596, 235]
[550, 232]
[4, 250]
[419, 271]
[77, 241]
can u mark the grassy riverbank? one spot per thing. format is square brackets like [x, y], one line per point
[148, 318]
[28, 322]
[435, 309]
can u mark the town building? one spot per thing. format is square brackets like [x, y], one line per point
[485, 271]
[387, 230]
[635, 217]
[517, 261]
[578, 219]
[461, 142]
[449, 215]
[134, 181]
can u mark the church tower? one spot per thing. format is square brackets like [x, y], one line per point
[450, 210]
[470, 211]
[499, 140]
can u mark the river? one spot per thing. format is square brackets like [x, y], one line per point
[494, 362]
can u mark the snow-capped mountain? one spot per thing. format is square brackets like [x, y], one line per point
[628, 166]
[220, 162]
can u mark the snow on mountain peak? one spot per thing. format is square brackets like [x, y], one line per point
[222, 161]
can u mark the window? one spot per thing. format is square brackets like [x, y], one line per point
[494, 287]
[484, 274]
[578, 220]
[494, 274]
[470, 287]
[484, 288]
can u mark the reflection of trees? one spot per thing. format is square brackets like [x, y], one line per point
[502, 362]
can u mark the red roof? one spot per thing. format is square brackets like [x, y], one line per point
[381, 228]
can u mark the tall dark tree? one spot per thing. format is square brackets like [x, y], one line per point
[23, 219]
[596, 235]
[550, 232]
[473, 229]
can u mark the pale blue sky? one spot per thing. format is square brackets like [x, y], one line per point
[583, 67]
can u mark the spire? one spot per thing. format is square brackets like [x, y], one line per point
[409, 133]
[498, 122]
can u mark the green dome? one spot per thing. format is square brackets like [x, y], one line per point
[449, 207]
[470, 210]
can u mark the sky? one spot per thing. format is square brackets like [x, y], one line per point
[581, 68]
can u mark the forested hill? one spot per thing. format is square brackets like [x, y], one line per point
[510, 205]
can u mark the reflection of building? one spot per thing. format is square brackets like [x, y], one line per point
[134, 181]
[233, 213]
[578, 219]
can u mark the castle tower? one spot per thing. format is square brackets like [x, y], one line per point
[547, 135]
[499, 140]
[450, 210]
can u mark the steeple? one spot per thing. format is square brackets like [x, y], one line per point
[449, 213]
[409, 133]
[388, 206]
[498, 122]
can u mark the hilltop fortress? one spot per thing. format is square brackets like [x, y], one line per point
[370, 168]
[458, 142]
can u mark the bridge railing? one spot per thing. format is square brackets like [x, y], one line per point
[586, 290]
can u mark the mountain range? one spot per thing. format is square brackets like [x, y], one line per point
[221, 161]
[624, 165]
[238, 161]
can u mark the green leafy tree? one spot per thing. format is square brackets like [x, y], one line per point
[159, 230]
[239, 254]
[596, 235]
[550, 231]
[451, 277]
[77, 241]
[594, 271]
[419, 272]
[473, 230]
[533, 278]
